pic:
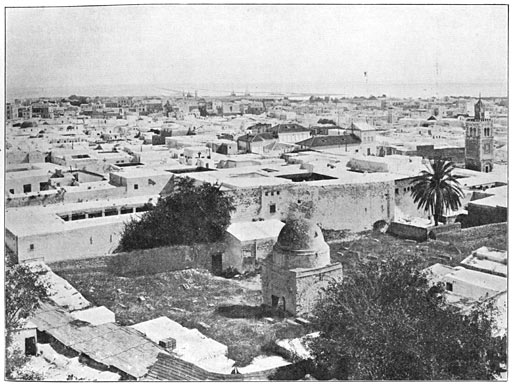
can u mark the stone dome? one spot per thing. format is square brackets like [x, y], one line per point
[300, 234]
[300, 244]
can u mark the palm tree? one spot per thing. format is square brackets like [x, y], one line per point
[437, 189]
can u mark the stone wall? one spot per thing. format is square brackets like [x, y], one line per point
[310, 284]
[279, 283]
[162, 259]
[444, 229]
[421, 233]
[300, 288]
[408, 231]
[354, 207]
[479, 215]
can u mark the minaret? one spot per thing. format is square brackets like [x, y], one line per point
[479, 140]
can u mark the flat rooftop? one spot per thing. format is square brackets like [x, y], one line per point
[140, 172]
[39, 220]
[257, 176]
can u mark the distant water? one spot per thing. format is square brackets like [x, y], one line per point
[222, 89]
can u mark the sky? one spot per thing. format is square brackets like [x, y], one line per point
[236, 46]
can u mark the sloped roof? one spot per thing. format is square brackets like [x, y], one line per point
[171, 368]
[118, 346]
[256, 138]
[330, 140]
[289, 127]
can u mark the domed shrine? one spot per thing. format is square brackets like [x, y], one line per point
[298, 268]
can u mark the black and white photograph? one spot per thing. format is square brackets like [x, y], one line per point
[255, 191]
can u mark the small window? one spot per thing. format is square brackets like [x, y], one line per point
[90, 240]
[266, 193]
[11, 191]
[396, 191]
[277, 192]
[31, 247]
[110, 238]
[135, 186]
[449, 286]
[27, 188]
[272, 208]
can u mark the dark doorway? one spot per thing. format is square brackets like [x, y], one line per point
[275, 301]
[282, 304]
[30, 346]
[217, 264]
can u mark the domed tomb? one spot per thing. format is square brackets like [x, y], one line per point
[301, 244]
[299, 267]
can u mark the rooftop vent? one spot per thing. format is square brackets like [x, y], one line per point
[168, 344]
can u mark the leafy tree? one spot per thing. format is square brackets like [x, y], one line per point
[386, 323]
[190, 214]
[327, 121]
[24, 291]
[437, 189]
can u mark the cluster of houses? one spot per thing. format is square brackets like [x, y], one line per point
[77, 170]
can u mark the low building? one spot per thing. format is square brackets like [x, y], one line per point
[251, 143]
[27, 178]
[491, 209]
[478, 284]
[249, 243]
[290, 133]
[487, 260]
[70, 231]
[140, 180]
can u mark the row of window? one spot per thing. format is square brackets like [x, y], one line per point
[271, 193]
[27, 188]
[406, 189]
[473, 131]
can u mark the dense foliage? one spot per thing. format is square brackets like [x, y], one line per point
[23, 292]
[437, 189]
[386, 323]
[190, 214]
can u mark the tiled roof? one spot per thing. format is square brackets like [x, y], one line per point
[290, 127]
[330, 140]
[171, 368]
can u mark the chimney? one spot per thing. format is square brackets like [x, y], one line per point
[168, 344]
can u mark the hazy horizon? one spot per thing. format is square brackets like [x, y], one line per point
[400, 50]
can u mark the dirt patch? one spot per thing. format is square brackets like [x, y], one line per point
[193, 298]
